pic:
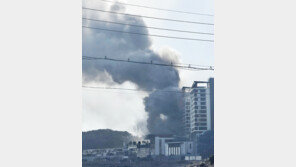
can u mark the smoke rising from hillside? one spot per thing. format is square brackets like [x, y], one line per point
[164, 114]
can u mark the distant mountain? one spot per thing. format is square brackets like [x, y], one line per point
[104, 138]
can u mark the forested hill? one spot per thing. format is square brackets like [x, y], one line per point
[104, 138]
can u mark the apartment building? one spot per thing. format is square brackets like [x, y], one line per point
[198, 115]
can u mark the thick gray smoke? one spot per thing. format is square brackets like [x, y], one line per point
[162, 108]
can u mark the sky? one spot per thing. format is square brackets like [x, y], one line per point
[118, 110]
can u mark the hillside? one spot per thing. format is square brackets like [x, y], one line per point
[104, 138]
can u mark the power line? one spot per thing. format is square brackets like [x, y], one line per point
[169, 10]
[158, 18]
[161, 36]
[157, 28]
[189, 67]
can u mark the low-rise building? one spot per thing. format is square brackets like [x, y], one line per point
[171, 146]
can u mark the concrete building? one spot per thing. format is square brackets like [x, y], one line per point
[198, 115]
[170, 146]
[193, 158]
[211, 81]
[186, 112]
[159, 145]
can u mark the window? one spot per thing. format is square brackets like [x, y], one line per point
[202, 128]
[203, 107]
[203, 103]
[203, 124]
[203, 99]
[202, 119]
[203, 111]
[202, 90]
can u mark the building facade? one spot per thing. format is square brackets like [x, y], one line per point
[198, 115]
[171, 146]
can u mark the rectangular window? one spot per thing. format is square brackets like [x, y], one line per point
[202, 128]
[202, 119]
[203, 111]
[203, 103]
[203, 107]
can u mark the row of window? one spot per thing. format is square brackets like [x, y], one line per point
[199, 99]
[200, 128]
[200, 115]
[200, 120]
[201, 107]
[198, 90]
[201, 103]
[200, 124]
[200, 111]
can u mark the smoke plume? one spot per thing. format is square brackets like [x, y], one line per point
[164, 113]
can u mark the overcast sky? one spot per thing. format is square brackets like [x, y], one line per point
[120, 110]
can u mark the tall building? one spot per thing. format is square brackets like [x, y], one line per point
[198, 112]
[211, 80]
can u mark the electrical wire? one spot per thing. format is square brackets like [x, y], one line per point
[189, 67]
[161, 36]
[149, 17]
[149, 7]
[157, 28]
